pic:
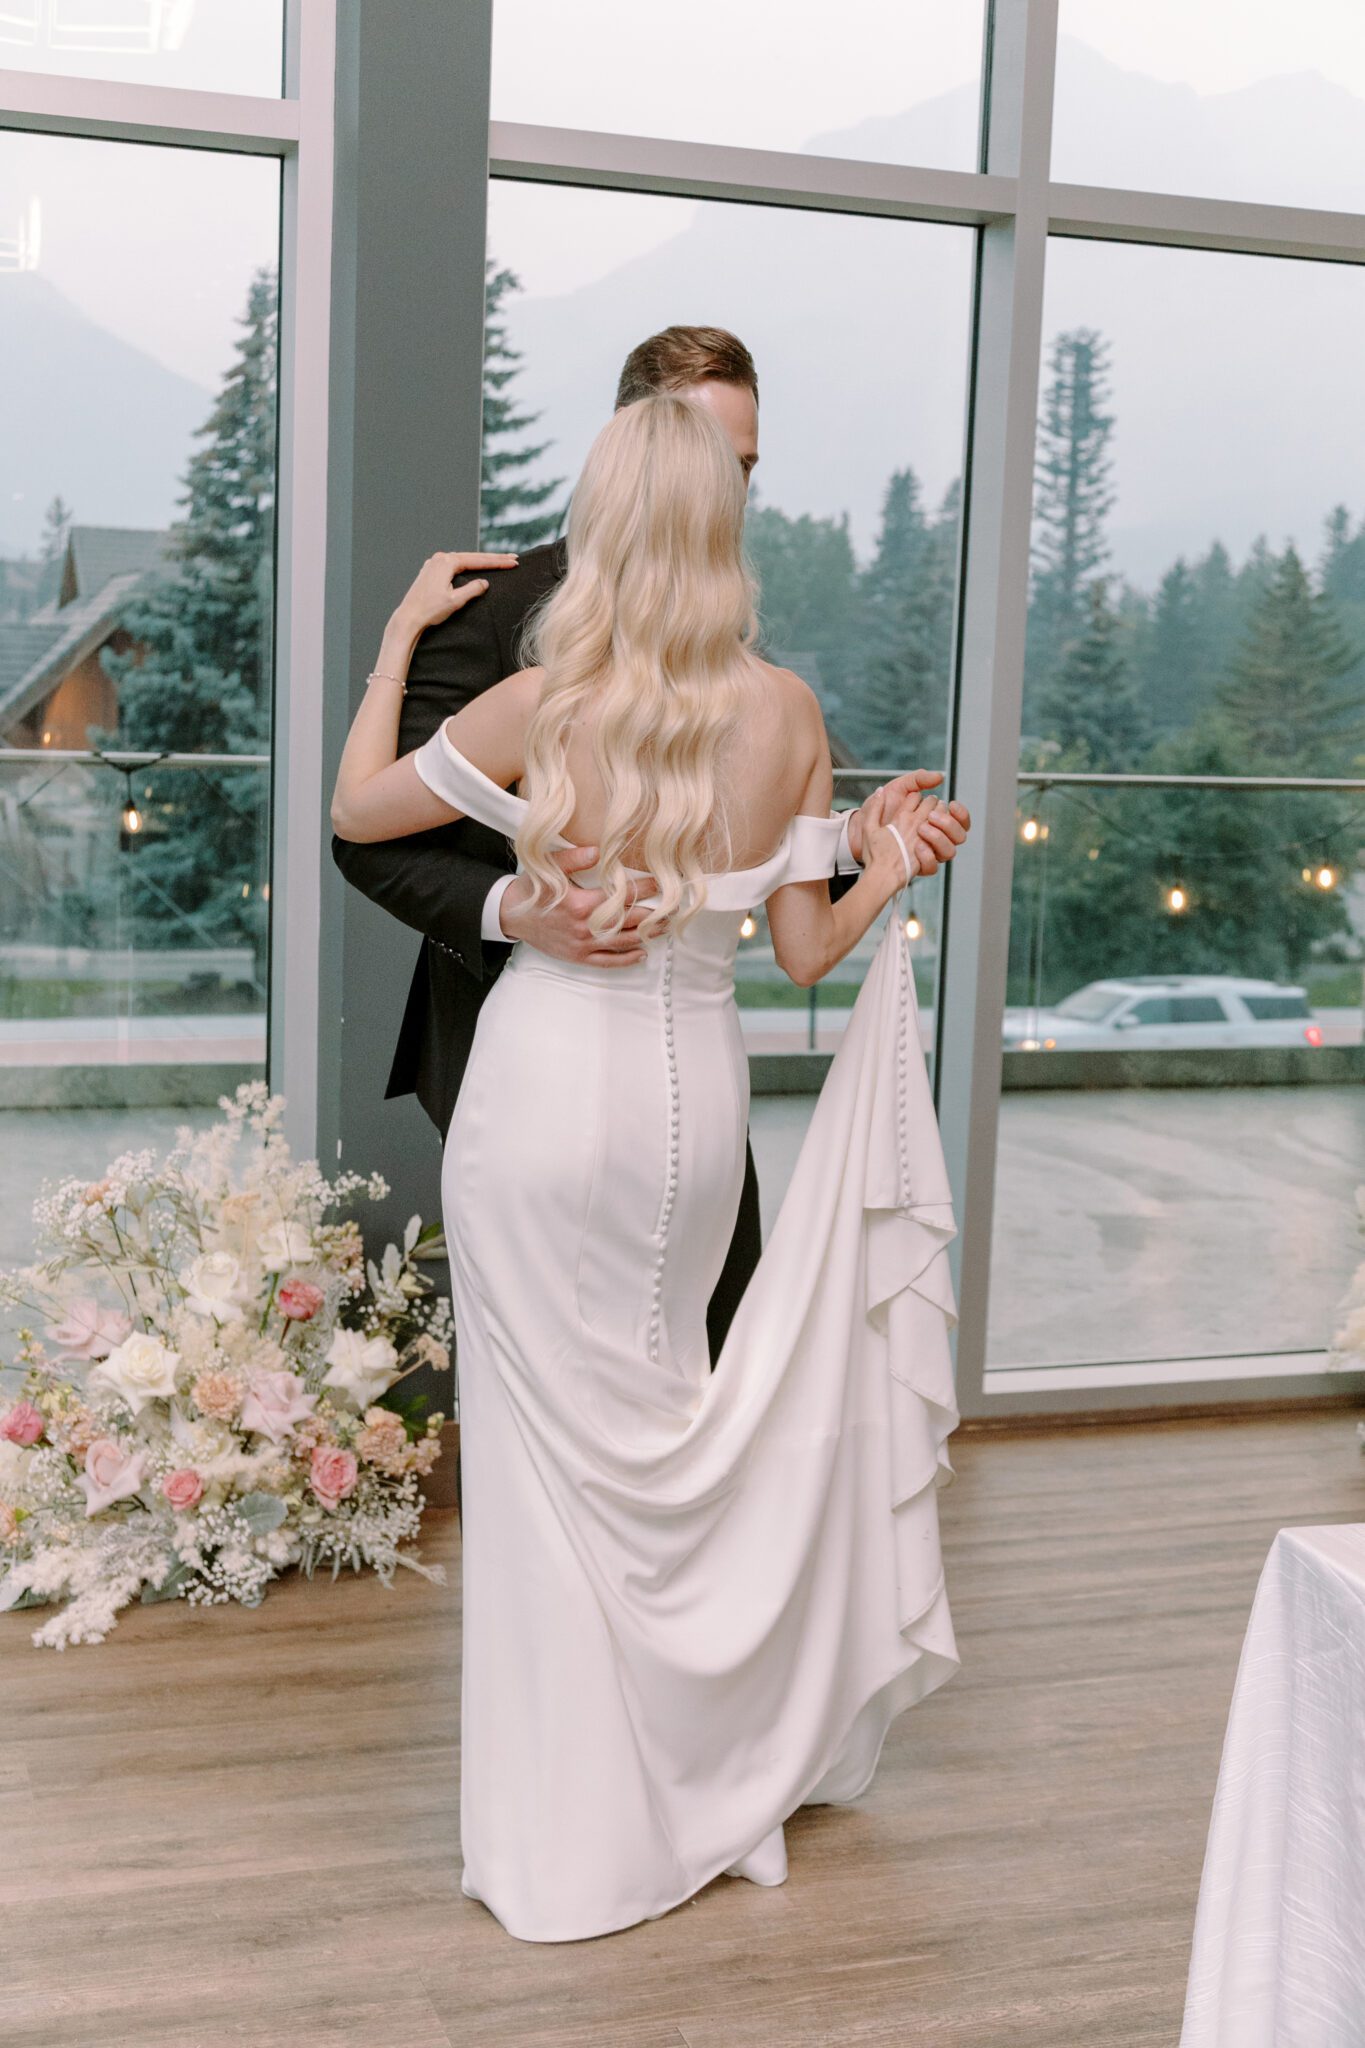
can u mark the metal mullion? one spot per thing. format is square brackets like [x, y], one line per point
[1181, 221]
[301, 994]
[761, 177]
[988, 697]
[108, 110]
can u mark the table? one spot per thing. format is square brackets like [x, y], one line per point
[1279, 1938]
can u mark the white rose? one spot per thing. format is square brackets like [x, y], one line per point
[361, 1367]
[285, 1244]
[214, 1286]
[141, 1369]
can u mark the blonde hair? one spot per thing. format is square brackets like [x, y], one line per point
[651, 629]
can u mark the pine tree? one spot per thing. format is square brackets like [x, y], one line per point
[1283, 695]
[808, 598]
[1342, 573]
[197, 678]
[1171, 655]
[1088, 704]
[508, 518]
[52, 547]
[906, 595]
[1072, 495]
[56, 525]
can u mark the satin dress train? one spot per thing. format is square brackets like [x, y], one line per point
[693, 1601]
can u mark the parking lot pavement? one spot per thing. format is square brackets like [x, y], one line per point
[1154, 1223]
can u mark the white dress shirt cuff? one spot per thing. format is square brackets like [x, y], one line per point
[844, 863]
[491, 923]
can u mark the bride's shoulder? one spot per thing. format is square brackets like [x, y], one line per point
[794, 696]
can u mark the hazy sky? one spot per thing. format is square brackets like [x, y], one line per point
[769, 71]
[157, 245]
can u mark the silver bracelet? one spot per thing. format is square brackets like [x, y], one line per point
[378, 675]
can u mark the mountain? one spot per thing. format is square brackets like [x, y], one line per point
[87, 415]
[1235, 381]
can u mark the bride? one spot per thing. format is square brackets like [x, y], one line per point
[693, 1600]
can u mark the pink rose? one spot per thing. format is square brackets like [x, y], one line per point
[275, 1404]
[183, 1489]
[300, 1300]
[21, 1424]
[111, 1473]
[332, 1474]
[89, 1331]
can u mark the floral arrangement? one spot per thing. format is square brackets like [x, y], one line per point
[210, 1382]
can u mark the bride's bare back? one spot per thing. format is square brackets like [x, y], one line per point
[767, 769]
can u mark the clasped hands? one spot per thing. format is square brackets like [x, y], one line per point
[935, 832]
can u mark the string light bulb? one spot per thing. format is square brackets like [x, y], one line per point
[1177, 898]
[913, 928]
[130, 817]
[1030, 830]
[1326, 876]
[748, 928]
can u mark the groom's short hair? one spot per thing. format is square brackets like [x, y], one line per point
[685, 355]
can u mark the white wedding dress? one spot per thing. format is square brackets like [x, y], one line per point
[693, 1600]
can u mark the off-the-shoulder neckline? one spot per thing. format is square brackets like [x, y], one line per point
[722, 875]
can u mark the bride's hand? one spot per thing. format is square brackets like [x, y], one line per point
[882, 856]
[430, 596]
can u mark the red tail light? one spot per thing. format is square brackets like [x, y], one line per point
[1313, 1033]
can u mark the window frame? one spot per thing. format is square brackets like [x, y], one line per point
[336, 230]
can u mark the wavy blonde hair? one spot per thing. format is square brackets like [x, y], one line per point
[651, 633]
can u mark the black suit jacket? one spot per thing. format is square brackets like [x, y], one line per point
[437, 882]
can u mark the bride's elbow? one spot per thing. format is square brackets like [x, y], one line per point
[801, 968]
[346, 824]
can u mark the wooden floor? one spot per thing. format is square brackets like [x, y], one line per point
[222, 1827]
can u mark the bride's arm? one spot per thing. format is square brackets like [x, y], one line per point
[811, 933]
[380, 797]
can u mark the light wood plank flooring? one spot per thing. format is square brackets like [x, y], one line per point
[223, 1827]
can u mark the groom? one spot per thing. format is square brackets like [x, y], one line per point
[455, 885]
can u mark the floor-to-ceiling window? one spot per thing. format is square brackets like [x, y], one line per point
[1182, 1125]
[148, 162]
[1095, 439]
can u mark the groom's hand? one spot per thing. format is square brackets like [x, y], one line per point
[939, 828]
[561, 929]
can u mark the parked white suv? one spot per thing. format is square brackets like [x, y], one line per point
[1167, 1012]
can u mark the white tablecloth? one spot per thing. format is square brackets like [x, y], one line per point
[1279, 1938]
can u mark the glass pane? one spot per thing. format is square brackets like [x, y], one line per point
[1232, 99]
[853, 522]
[212, 45]
[1182, 1127]
[136, 616]
[890, 81]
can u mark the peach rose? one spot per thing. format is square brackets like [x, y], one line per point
[9, 1523]
[21, 1424]
[183, 1489]
[332, 1475]
[111, 1473]
[217, 1395]
[299, 1300]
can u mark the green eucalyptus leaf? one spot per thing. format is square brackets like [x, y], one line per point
[261, 1512]
[170, 1586]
